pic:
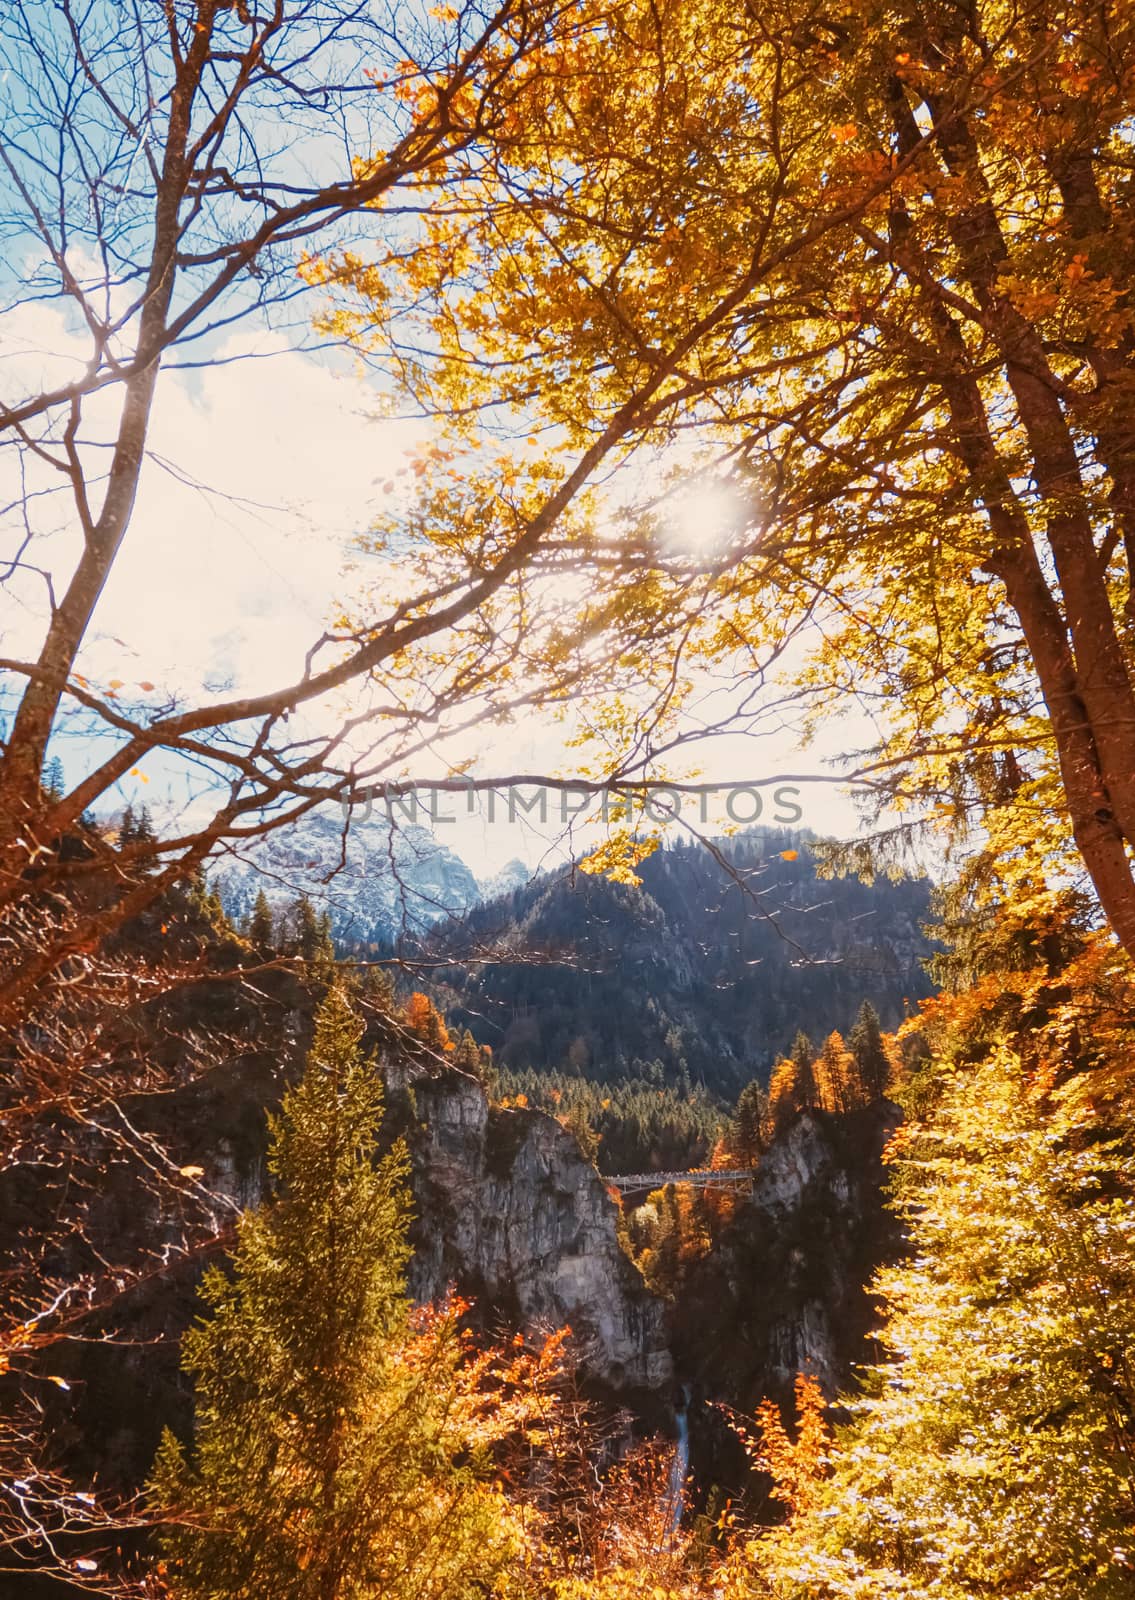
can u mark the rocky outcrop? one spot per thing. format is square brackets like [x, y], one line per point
[818, 1221]
[793, 1269]
[511, 1212]
[785, 1291]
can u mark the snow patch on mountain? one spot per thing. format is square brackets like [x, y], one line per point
[376, 879]
[515, 874]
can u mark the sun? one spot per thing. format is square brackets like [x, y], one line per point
[703, 516]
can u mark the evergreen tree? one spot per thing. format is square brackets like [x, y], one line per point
[803, 1051]
[329, 1458]
[995, 1456]
[746, 1132]
[54, 781]
[136, 827]
[803, 1056]
[128, 827]
[313, 938]
[377, 989]
[467, 1057]
[262, 926]
[871, 1062]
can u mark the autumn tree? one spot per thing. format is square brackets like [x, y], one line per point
[878, 266]
[792, 1086]
[331, 1455]
[837, 1081]
[783, 1100]
[796, 1461]
[425, 1023]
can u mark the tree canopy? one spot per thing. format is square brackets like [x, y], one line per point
[866, 269]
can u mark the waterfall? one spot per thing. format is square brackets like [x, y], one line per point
[680, 1465]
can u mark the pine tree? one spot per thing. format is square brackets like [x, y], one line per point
[468, 1057]
[377, 990]
[262, 926]
[745, 1135]
[872, 1063]
[329, 1458]
[313, 938]
[803, 1051]
[803, 1057]
[995, 1455]
[54, 781]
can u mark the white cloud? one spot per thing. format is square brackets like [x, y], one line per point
[261, 471]
[260, 474]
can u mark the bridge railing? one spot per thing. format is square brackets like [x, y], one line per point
[700, 1178]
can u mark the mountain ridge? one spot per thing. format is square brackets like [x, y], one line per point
[704, 972]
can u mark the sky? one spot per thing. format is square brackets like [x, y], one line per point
[261, 471]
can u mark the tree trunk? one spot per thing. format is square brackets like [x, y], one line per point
[39, 704]
[1102, 678]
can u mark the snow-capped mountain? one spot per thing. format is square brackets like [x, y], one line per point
[375, 881]
[515, 874]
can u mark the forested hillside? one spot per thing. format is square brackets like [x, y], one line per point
[702, 975]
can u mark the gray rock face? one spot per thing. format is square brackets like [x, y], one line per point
[511, 1213]
[819, 1201]
[785, 1292]
[801, 1157]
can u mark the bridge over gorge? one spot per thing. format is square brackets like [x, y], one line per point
[700, 1178]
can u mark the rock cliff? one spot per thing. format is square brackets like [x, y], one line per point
[818, 1225]
[785, 1290]
[510, 1211]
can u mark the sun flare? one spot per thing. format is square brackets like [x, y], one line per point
[703, 517]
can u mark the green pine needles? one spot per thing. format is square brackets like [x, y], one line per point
[332, 1458]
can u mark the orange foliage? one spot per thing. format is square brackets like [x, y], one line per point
[423, 1020]
[797, 1465]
